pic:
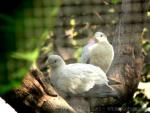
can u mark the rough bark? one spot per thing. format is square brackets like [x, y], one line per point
[36, 95]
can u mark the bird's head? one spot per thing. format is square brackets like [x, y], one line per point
[100, 37]
[55, 61]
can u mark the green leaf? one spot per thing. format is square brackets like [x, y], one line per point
[6, 18]
[77, 54]
[6, 87]
[115, 1]
[147, 47]
[28, 56]
[19, 74]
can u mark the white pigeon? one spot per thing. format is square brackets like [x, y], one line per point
[77, 78]
[99, 53]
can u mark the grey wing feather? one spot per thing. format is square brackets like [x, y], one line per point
[101, 91]
[85, 57]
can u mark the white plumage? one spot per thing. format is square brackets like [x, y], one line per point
[100, 53]
[75, 78]
[5, 107]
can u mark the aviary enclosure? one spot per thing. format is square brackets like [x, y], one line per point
[32, 29]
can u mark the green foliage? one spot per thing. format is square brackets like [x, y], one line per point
[11, 85]
[28, 56]
[142, 95]
[147, 47]
[115, 1]
[53, 12]
[77, 54]
[6, 18]
[20, 53]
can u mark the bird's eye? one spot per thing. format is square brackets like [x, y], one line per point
[101, 35]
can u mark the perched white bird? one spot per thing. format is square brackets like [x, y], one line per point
[99, 53]
[77, 78]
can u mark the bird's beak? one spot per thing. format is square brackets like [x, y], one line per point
[46, 63]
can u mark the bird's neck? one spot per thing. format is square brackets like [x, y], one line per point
[104, 40]
[59, 67]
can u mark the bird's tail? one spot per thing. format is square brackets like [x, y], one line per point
[101, 91]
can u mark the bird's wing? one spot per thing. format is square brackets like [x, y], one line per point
[78, 78]
[101, 91]
[73, 83]
[102, 55]
[87, 71]
[85, 55]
